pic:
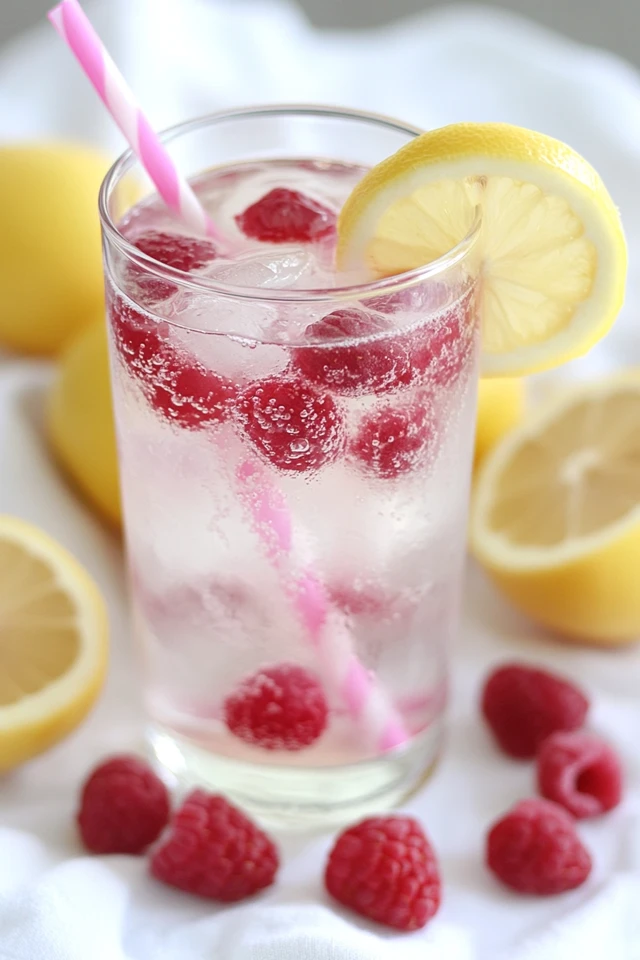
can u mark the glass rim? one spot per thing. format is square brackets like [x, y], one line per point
[201, 284]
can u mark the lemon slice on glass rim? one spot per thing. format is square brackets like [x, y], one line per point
[553, 252]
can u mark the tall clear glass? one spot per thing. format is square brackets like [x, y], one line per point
[295, 455]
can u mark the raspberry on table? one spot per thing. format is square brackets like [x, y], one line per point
[370, 366]
[175, 383]
[386, 870]
[286, 216]
[392, 441]
[535, 849]
[524, 705]
[279, 708]
[213, 850]
[581, 772]
[174, 250]
[293, 425]
[124, 807]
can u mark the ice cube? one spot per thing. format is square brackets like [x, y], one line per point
[287, 269]
[230, 335]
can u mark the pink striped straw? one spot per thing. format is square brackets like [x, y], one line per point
[367, 703]
[70, 21]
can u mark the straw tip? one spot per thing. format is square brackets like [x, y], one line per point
[55, 13]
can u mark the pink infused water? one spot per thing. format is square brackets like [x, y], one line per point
[257, 388]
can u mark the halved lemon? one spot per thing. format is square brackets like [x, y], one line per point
[555, 513]
[553, 252]
[53, 642]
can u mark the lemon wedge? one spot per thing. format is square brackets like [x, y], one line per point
[552, 248]
[53, 642]
[555, 514]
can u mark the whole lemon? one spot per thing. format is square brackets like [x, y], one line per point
[501, 406]
[80, 420]
[50, 264]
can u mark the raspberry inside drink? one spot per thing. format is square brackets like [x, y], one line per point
[349, 406]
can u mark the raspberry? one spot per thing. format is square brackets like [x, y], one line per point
[286, 216]
[215, 851]
[426, 298]
[123, 808]
[392, 441]
[408, 299]
[293, 425]
[174, 250]
[138, 338]
[372, 366]
[440, 350]
[360, 600]
[188, 393]
[580, 772]
[437, 348]
[279, 708]
[385, 869]
[535, 849]
[176, 384]
[523, 706]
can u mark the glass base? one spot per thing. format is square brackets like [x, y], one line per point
[301, 797]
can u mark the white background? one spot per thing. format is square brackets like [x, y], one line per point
[56, 904]
[613, 24]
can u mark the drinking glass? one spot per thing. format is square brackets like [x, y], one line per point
[295, 451]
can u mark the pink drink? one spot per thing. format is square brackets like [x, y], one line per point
[259, 371]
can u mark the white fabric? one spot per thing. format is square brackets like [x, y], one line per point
[185, 57]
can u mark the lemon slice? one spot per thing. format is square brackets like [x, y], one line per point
[53, 642]
[555, 515]
[553, 252]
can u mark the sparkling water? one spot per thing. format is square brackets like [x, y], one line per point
[358, 427]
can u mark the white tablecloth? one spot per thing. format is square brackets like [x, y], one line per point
[56, 904]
